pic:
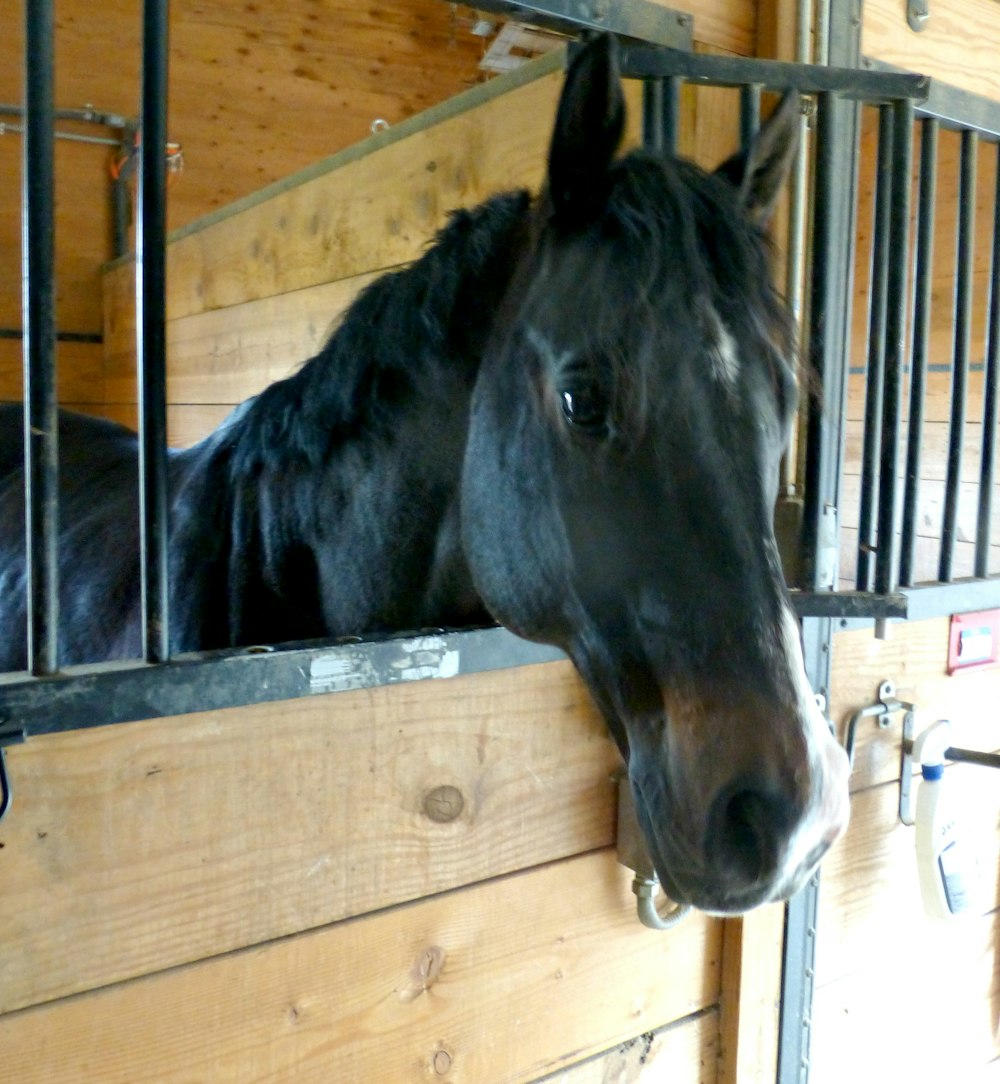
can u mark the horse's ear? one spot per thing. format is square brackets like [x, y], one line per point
[759, 171]
[588, 129]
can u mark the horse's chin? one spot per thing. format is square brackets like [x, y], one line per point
[707, 892]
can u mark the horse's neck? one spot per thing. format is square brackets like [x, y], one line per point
[382, 409]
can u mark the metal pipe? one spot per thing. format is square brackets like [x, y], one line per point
[71, 137]
[41, 419]
[749, 113]
[671, 116]
[151, 332]
[652, 114]
[922, 307]
[960, 359]
[822, 335]
[87, 115]
[876, 352]
[991, 376]
[886, 559]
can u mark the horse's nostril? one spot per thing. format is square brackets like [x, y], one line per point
[747, 828]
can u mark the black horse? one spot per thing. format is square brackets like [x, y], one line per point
[567, 416]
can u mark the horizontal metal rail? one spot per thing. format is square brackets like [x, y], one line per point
[104, 693]
[875, 87]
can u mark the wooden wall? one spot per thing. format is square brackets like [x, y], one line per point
[262, 893]
[900, 997]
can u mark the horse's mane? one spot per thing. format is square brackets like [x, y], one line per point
[682, 223]
[432, 311]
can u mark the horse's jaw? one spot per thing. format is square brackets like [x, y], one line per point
[739, 793]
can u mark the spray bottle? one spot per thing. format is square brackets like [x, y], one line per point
[945, 861]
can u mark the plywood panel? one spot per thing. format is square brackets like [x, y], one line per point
[681, 1053]
[83, 374]
[884, 969]
[501, 982]
[959, 44]
[141, 846]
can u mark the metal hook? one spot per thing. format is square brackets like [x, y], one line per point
[632, 854]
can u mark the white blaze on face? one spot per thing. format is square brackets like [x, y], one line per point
[723, 351]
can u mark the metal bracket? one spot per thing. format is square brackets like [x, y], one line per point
[918, 13]
[633, 855]
[9, 735]
[882, 711]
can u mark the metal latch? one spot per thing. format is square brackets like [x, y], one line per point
[632, 854]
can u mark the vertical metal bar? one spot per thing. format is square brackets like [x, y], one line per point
[877, 291]
[151, 331]
[991, 378]
[886, 562]
[671, 117]
[830, 285]
[960, 357]
[922, 305]
[749, 113]
[41, 420]
[652, 114]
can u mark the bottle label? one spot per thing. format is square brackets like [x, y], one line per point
[950, 863]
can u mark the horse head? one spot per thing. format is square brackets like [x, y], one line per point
[625, 439]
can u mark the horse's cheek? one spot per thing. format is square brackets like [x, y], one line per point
[511, 540]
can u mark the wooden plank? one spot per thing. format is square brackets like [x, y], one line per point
[934, 449]
[926, 558]
[879, 956]
[930, 507]
[83, 375]
[226, 355]
[751, 996]
[870, 908]
[929, 1015]
[140, 846]
[959, 44]
[914, 659]
[462, 986]
[685, 1052]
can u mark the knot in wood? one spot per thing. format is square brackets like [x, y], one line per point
[442, 1062]
[444, 804]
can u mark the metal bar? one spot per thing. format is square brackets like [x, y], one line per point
[848, 604]
[922, 307]
[876, 352]
[97, 695]
[964, 271]
[151, 332]
[41, 419]
[991, 378]
[828, 275]
[671, 117]
[886, 561]
[972, 756]
[639, 62]
[749, 113]
[638, 19]
[84, 116]
[652, 114]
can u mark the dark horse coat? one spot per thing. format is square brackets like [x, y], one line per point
[568, 415]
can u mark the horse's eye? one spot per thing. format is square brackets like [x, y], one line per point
[584, 408]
